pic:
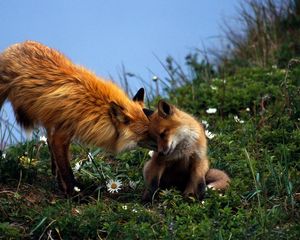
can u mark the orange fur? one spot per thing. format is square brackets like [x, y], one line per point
[45, 88]
[181, 160]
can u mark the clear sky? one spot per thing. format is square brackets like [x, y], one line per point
[103, 35]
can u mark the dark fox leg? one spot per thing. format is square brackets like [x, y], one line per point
[53, 163]
[153, 170]
[59, 145]
[197, 184]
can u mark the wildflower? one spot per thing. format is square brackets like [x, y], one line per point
[77, 166]
[113, 185]
[211, 110]
[150, 153]
[247, 109]
[154, 78]
[4, 155]
[209, 135]
[205, 123]
[27, 162]
[77, 189]
[134, 210]
[236, 119]
[124, 207]
[43, 139]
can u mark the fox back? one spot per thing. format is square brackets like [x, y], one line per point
[46, 88]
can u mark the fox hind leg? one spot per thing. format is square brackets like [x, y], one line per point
[59, 146]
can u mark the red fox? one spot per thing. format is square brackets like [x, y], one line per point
[45, 88]
[181, 160]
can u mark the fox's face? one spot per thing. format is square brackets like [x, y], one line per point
[175, 131]
[132, 124]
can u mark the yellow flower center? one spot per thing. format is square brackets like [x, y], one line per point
[113, 186]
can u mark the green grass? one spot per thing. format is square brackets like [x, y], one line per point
[261, 155]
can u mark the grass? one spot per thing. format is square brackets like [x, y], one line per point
[262, 202]
[261, 154]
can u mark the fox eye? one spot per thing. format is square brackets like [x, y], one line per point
[163, 134]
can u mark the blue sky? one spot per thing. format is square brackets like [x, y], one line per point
[103, 35]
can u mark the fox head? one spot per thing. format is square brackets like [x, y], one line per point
[175, 131]
[132, 123]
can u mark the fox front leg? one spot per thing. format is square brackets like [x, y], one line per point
[196, 185]
[153, 170]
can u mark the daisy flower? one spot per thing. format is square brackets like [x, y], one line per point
[43, 139]
[211, 110]
[150, 153]
[113, 186]
[77, 167]
[209, 135]
[236, 119]
[205, 123]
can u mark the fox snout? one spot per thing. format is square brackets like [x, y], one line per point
[149, 143]
[165, 147]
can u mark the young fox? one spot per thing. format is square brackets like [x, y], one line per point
[45, 88]
[180, 160]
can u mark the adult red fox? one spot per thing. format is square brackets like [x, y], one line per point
[181, 160]
[45, 88]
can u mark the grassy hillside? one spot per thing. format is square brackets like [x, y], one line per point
[256, 140]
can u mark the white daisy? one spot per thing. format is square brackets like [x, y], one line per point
[247, 109]
[113, 185]
[236, 119]
[150, 153]
[43, 139]
[154, 78]
[211, 110]
[77, 166]
[205, 123]
[209, 135]
[124, 207]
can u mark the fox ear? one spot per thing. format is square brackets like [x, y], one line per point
[139, 96]
[148, 112]
[117, 113]
[164, 109]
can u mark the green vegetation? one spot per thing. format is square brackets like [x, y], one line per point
[256, 140]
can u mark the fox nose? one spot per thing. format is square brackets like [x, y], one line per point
[163, 150]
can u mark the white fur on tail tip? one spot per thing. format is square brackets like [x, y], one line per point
[150, 153]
